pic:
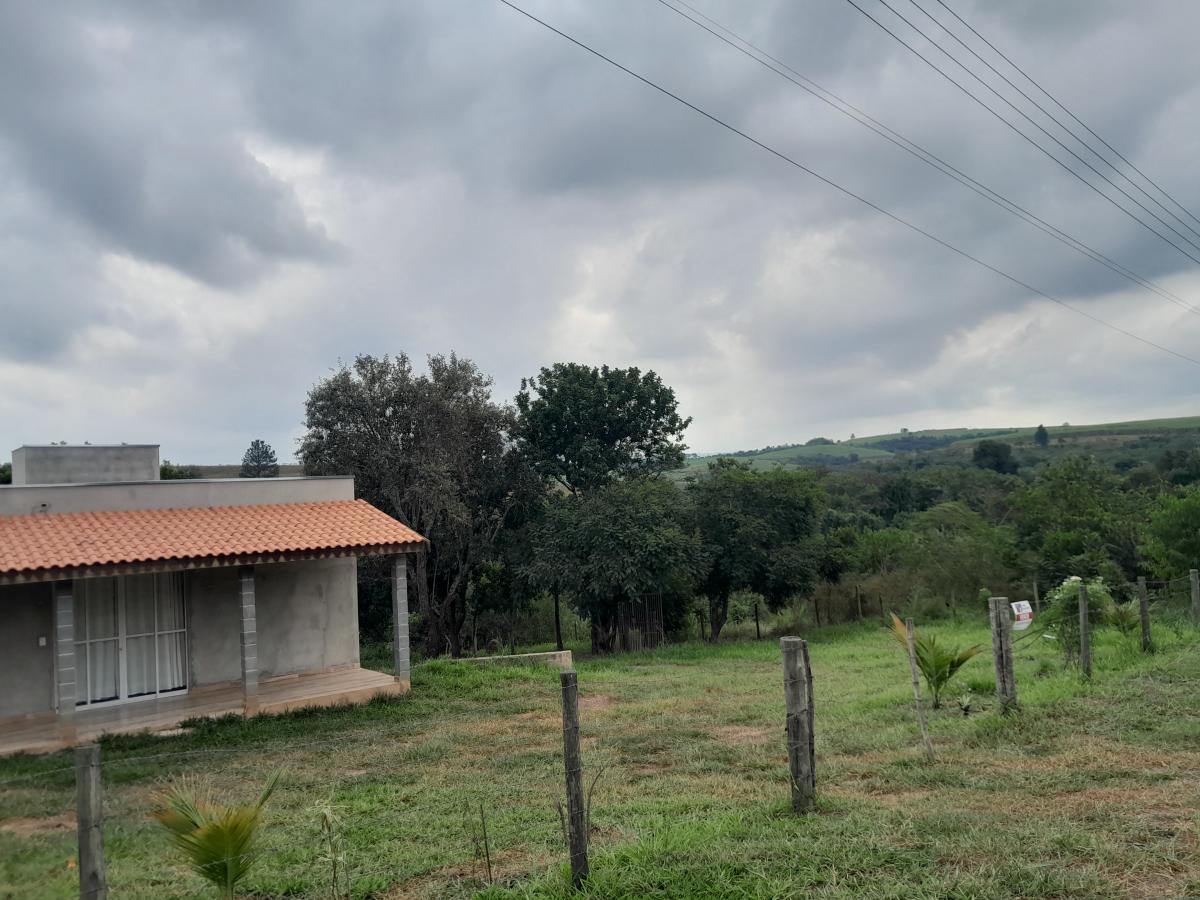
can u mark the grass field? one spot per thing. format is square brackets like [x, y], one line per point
[1141, 440]
[1092, 790]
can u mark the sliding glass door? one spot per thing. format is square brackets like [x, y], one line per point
[131, 637]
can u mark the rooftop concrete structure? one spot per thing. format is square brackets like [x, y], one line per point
[81, 463]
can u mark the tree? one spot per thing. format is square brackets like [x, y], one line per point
[585, 427]
[995, 455]
[759, 532]
[435, 451]
[1041, 437]
[1076, 520]
[5, 473]
[619, 543]
[957, 551]
[168, 471]
[259, 461]
[1172, 542]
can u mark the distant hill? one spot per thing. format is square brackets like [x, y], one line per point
[1123, 444]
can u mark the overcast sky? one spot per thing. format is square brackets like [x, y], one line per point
[205, 206]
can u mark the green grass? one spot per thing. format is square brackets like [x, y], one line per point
[1090, 790]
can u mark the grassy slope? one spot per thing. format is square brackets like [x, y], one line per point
[1077, 435]
[1091, 791]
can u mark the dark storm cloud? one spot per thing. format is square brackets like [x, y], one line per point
[207, 205]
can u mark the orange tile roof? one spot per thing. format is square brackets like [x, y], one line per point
[58, 544]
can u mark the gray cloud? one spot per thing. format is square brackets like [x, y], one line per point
[206, 205]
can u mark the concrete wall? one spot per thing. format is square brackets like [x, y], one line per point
[24, 500]
[83, 463]
[214, 626]
[307, 615]
[307, 619]
[26, 670]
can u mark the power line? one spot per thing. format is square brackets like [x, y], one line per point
[1061, 106]
[926, 156]
[1018, 131]
[849, 193]
[1049, 115]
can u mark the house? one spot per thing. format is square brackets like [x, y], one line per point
[129, 603]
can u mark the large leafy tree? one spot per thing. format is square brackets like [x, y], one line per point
[957, 552]
[995, 455]
[1172, 543]
[621, 542]
[585, 427]
[1076, 520]
[759, 531]
[259, 461]
[434, 450]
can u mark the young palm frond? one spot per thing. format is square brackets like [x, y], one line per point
[217, 839]
[938, 664]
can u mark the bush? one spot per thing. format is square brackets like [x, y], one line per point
[1061, 616]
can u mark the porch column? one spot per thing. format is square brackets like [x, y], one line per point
[64, 658]
[249, 642]
[400, 655]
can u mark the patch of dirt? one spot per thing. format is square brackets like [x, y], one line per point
[593, 702]
[743, 734]
[889, 799]
[46, 825]
[506, 864]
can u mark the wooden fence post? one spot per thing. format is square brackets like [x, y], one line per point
[1144, 611]
[1195, 578]
[810, 708]
[90, 814]
[757, 630]
[799, 742]
[916, 683]
[1085, 632]
[1006, 680]
[858, 600]
[1037, 598]
[573, 763]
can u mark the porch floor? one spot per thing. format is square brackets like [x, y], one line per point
[40, 734]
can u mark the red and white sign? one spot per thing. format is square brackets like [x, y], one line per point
[1022, 615]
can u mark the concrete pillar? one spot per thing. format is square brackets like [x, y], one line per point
[249, 642]
[64, 659]
[401, 661]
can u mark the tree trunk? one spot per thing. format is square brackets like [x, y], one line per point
[557, 623]
[604, 633]
[718, 612]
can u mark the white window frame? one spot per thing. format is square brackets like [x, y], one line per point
[83, 672]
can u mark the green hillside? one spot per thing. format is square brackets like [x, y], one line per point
[1124, 444]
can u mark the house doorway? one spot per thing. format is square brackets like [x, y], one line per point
[131, 638]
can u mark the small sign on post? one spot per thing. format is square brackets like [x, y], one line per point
[1022, 615]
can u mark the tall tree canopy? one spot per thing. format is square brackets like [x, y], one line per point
[618, 543]
[435, 451]
[259, 461]
[585, 427]
[1172, 544]
[759, 532]
[1041, 437]
[1077, 520]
